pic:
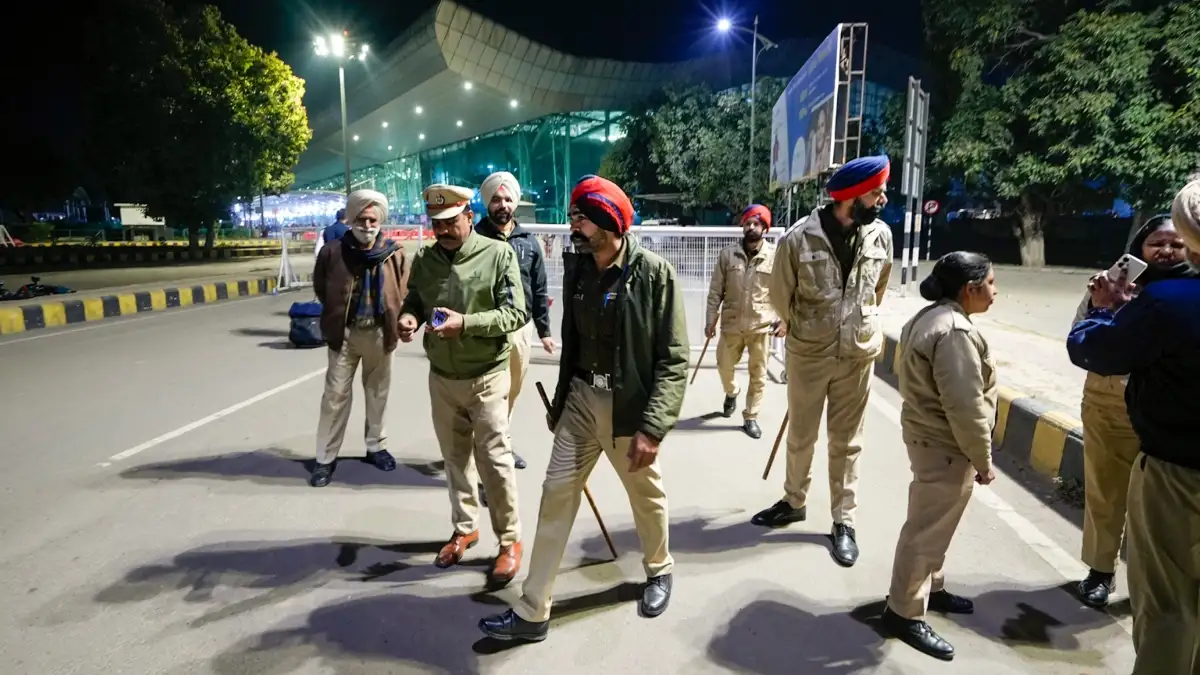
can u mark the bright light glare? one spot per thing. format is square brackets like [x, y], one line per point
[389, 148]
[337, 45]
[421, 136]
[724, 25]
[418, 110]
[467, 86]
[320, 47]
[512, 103]
[385, 125]
[356, 137]
[458, 123]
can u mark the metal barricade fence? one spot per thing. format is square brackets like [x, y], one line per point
[692, 251]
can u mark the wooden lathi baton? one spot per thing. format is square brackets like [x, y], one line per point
[702, 353]
[775, 448]
[586, 492]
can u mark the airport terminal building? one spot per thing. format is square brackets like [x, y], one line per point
[457, 96]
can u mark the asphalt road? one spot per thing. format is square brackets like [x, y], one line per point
[156, 520]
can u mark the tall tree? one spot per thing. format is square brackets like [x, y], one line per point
[187, 116]
[1060, 107]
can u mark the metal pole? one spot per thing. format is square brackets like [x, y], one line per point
[345, 143]
[753, 87]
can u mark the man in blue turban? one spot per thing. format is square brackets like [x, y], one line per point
[831, 272]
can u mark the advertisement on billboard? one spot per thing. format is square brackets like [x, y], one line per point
[802, 123]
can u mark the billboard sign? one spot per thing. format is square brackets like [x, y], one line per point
[802, 121]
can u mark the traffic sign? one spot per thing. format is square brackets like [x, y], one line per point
[931, 207]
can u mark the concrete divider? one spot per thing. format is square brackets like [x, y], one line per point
[1035, 433]
[62, 310]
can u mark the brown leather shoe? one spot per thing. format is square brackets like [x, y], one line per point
[507, 564]
[454, 549]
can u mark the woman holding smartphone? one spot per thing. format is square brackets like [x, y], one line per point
[1109, 442]
[948, 383]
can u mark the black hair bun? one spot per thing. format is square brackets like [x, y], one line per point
[931, 288]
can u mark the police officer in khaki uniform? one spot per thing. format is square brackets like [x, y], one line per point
[948, 383]
[1110, 444]
[621, 382]
[466, 290]
[739, 297]
[831, 272]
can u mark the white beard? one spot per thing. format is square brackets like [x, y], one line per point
[364, 236]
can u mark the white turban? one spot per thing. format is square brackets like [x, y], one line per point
[1185, 215]
[501, 179]
[359, 200]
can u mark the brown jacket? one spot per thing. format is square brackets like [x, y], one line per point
[334, 278]
[740, 290]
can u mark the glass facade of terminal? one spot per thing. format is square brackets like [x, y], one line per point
[547, 155]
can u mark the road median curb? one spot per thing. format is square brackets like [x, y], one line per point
[62, 310]
[1037, 434]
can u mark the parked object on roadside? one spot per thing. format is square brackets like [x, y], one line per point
[34, 289]
[305, 330]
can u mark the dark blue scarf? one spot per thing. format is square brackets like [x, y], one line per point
[370, 300]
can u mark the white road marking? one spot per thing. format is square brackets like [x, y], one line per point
[1067, 565]
[122, 321]
[126, 454]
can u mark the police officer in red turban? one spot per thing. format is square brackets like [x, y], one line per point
[621, 382]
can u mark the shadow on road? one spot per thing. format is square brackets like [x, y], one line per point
[273, 466]
[782, 633]
[260, 332]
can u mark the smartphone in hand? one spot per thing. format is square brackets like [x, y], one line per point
[439, 318]
[1131, 266]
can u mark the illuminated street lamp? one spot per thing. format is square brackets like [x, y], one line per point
[341, 47]
[724, 26]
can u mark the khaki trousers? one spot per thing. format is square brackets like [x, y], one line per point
[1164, 567]
[584, 432]
[365, 346]
[1109, 449]
[729, 352]
[846, 383]
[518, 363]
[937, 498]
[470, 420]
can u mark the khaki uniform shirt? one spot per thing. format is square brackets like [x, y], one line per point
[827, 315]
[741, 290]
[595, 312]
[948, 383]
[1104, 389]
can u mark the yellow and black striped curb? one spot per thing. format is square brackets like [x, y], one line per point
[1034, 432]
[20, 257]
[52, 313]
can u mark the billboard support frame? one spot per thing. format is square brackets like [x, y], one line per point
[912, 182]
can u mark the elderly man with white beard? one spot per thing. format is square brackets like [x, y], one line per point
[500, 193]
[361, 282]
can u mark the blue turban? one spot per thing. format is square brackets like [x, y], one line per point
[858, 177]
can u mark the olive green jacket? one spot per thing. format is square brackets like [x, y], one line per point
[652, 344]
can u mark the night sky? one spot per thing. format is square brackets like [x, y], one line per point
[39, 120]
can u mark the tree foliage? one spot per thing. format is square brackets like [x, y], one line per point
[186, 116]
[1061, 107]
[696, 142]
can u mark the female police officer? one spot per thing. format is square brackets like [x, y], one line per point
[948, 382]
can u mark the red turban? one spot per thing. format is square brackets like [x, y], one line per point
[603, 203]
[757, 211]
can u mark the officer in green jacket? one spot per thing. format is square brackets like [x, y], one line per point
[466, 290]
[621, 382]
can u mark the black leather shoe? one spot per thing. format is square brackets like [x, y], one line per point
[519, 461]
[779, 515]
[845, 548]
[730, 406]
[509, 627]
[1095, 589]
[752, 430]
[945, 602]
[322, 475]
[656, 595]
[918, 635]
[382, 460]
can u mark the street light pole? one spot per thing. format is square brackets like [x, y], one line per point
[753, 91]
[345, 140]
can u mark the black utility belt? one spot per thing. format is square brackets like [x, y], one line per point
[595, 380]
